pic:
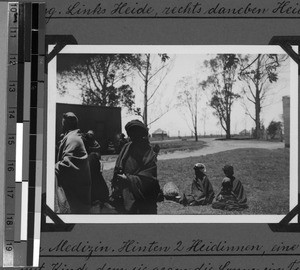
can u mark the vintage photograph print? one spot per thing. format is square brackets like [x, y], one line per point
[177, 134]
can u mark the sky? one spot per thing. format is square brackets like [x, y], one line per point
[177, 120]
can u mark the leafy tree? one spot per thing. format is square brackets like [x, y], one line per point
[101, 79]
[189, 98]
[224, 71]
[274, 128]
[258, 72]
[152, 69]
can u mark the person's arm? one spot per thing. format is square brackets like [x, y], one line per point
[73, 156]
[144, 183]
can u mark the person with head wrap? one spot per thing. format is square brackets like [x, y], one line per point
[202, 192]
[232, 195]
[90, 143]
[99, 188]
[72, 167]
[135, 186]
[121, 141]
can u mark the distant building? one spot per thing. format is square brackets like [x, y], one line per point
[159, 134]
[286, 120]
[245, 132]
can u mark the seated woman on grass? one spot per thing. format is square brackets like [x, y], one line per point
[201, 191]
[232, 195]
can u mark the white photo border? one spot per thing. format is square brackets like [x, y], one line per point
[170, 49]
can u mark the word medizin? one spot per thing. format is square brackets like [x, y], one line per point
[80, 247]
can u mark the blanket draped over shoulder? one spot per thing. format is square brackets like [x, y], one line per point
[238, 190]
[139, 195]
[201, 192]
[73, 172]
[237, 200]
[99, 190]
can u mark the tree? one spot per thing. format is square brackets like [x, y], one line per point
[223, 68]
[258, 73]
[152, 69]
[101, 79]
[203, 118]
[274, 128]
[189, 97]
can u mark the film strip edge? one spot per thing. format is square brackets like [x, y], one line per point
[11, 162]
[37, 89]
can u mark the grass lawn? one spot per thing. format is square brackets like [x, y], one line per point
[168, 146]
[264, 174]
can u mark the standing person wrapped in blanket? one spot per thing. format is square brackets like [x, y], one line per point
[99, 189]
[72, 168]
[134, 185]
[202, 192]
[232, 195]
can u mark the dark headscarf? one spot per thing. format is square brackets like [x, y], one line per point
[135, 127]
[70, 121]
[228, 170]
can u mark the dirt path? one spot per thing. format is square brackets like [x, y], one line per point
[213, 146]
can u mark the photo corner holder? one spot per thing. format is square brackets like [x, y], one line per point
[58, 225]
[284, 225]
[60, 41]
[286, 43]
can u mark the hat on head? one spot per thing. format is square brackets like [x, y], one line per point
[228, 169]
[136, 125]
[200, 166]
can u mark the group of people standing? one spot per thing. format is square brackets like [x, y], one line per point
[134, 188]
[79, 181]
